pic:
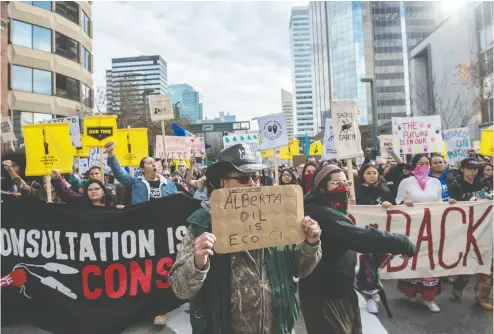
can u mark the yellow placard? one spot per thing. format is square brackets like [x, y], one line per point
[444, 151]
[176, 162]
[132, 146]
[286, 153]
[316, 148]
[83, 152]
[48, 147]
[486, 145]
[99, 130]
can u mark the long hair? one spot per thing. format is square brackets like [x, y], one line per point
[416, 158]
[291, 172]
[303, 181]
[380, 180]
[106, 199]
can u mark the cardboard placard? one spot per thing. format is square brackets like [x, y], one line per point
[99, 130]
[457, 143]
[300, 159]
[74, 128]
[417, 134]
[329, 150]
[176, 147]
[131, 146]
[7, 130]
[259, 217]
[250, 139]
[160, 107]
[94, 159]
[345, 116]
[272, 131]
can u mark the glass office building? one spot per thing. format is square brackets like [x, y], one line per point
[188, 100]
[305, 121]
[136, 76]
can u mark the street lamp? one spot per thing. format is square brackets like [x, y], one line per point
[374, 113]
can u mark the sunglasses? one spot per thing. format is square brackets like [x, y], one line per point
[243, 179]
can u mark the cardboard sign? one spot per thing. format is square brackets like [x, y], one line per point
[176, 147]
[94, 159]
[198, 147]
[286, 152]
[99, 130]
[457, 143]
[84, 164]
[74, 128]
[346, 130]
[254, 218]
[328, 150]
[48, 147]
[300, 159]
[7, 130]
[250, 139]
[450, 239]
[417, 134]
[272, 131]
[486, 143]
[160, 107]
[131, 146]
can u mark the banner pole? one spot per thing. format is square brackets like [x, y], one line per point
[102, 164]
[79, 165]
[349, 166]
[276, 176]
[48, 189]
[164, 141]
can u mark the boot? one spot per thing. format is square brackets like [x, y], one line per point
[483, 290]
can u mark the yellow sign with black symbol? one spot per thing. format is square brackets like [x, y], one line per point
[99, 130]
[131, 146]
[286, 152]
[316, 148]
[48, 147]
[82, 152]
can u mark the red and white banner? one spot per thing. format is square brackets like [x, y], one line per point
[450, 239]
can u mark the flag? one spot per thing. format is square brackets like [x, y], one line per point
[307, 144]
[181, 132]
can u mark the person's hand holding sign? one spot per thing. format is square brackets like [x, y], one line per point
[203, 246]
[55, 174]
[312, 231]
[110, 148]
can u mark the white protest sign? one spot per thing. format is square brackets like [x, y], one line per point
[160, 107]
[417, 134]
[84, 163]
[94, 159]
[346, 130]
[272, 131]
[74, 128]
[7, 130]
[457, 143]
[328, 149]
[198, 147]
[250, 139]
[451, 239]
[176, 147]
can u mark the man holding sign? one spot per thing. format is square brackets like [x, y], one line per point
[244, 292]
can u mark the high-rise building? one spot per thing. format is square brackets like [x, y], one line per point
[287, 109]
[188, 100]
[305, 121]
[131, 79]
[49, 61]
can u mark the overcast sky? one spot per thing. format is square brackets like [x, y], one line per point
[237, 54]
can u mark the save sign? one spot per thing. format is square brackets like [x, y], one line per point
[457, 143]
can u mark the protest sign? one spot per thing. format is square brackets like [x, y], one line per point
[328, 150]
[89, 270]
[48, 147]
[316, 148]
[176, 147]
[99, 130]
[417, 134]
[286, 152]
[457, 143]
[74, 128]
[250, 139]
[486, 143]
[82, 151]
[83, 165]
[131, 146]
[259, 217]
[301, 159]
[7, 130]
[450, 239]
[272, 131]
[385, 141]
[346, 130]
[198, 147]
[160, 107]
[94, 159]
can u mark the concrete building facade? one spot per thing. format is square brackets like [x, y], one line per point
[287, 109]
[49, 61]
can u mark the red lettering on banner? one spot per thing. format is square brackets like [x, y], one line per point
[443, 236]
[90, 269]
[168, 262]
[390, 213]
[109, 280]
[426, 225]
[138, 277]
[470, 238]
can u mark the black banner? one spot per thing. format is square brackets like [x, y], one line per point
[91, 270]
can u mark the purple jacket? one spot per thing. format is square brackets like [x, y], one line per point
[71, 197]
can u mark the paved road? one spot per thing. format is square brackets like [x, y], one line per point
[463, 317]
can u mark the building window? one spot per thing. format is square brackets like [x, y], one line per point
[67, 47]
[69, 10]
[86, 24]
[41, 4]
[86, 59]
[31, 80]
[68, 88]
[87, 96]
[31, 36]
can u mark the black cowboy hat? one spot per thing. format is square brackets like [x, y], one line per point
[237, 157]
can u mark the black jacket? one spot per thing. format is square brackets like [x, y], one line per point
[373, 195]
[394, 178]
[334, 276]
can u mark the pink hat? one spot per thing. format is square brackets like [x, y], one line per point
[323, 173]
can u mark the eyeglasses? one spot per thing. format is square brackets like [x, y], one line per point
[244, 179]
[340, 183]
[94, 189]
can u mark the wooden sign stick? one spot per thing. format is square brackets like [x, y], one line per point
[102, 164]
[276, 156]
[349, 167]
[164, 141]
[48, 189]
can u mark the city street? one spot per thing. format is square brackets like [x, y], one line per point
[455, 318]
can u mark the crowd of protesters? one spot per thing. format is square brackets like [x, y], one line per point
[240, 293]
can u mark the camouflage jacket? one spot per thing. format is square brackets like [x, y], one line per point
[251, 302]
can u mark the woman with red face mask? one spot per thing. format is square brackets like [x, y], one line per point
[307, 176]
[328, 299]
[421, 189]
